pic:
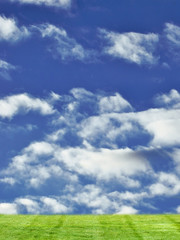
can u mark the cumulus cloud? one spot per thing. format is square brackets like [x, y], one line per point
[171, 99]
[30, 205]
[10, 31]
[50, 3]
[12, 105]
[53, 206]
[127, 210]
[114, 103]
[102, 164]
[105, 163]
[39, 205]
[96, 170]
[168, 184]
[65, 47]
[93, 197]
[8, 208]
[133, 47]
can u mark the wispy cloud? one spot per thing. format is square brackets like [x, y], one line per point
[133, 47]
[65, 47]
[50, 3]
[172, 33]
[5, 69]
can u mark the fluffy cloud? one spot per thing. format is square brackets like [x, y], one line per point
[52, 3]
[101, 164]
[168, 184]
[96, 170]
[8, 208]
[12, 105]
[30, 205]
[132, 47]
[114, 103]
[93, 197]
[52, 205]
[65, 47]
[105, 163]
[178, 209]
[171, 99]
[40, 205]
[127, 210]
[9, 30]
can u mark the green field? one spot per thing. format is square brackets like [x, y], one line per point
[104, 227]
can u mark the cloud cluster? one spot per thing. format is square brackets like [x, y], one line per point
[133, 47]
[97, 170]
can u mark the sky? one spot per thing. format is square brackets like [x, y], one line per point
[89, 107]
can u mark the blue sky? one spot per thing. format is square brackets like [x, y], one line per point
[89, 106]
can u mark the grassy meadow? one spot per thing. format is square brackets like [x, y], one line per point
[100, 227]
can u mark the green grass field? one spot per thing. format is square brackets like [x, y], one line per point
[104, 227]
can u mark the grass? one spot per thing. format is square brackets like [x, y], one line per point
[100, 227]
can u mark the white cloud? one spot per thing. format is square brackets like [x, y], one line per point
[5, 68]
[30, 205]
[175, 155]
[53, 206]
[74, 169]
[133, 197]
[172, 99]
[93, 197]
[9, 30]
[172, 33]
[127, 210]
[105, 163]
[132, 47]
[178, 209]
[8, 180]
[12, 105]
[168, 184]
[165, 132]
[81, 93]
[50, 3]
[65, 47]
[162, 124]
[114, 103]
[101, 164]
[39, 148]
[8, 208]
